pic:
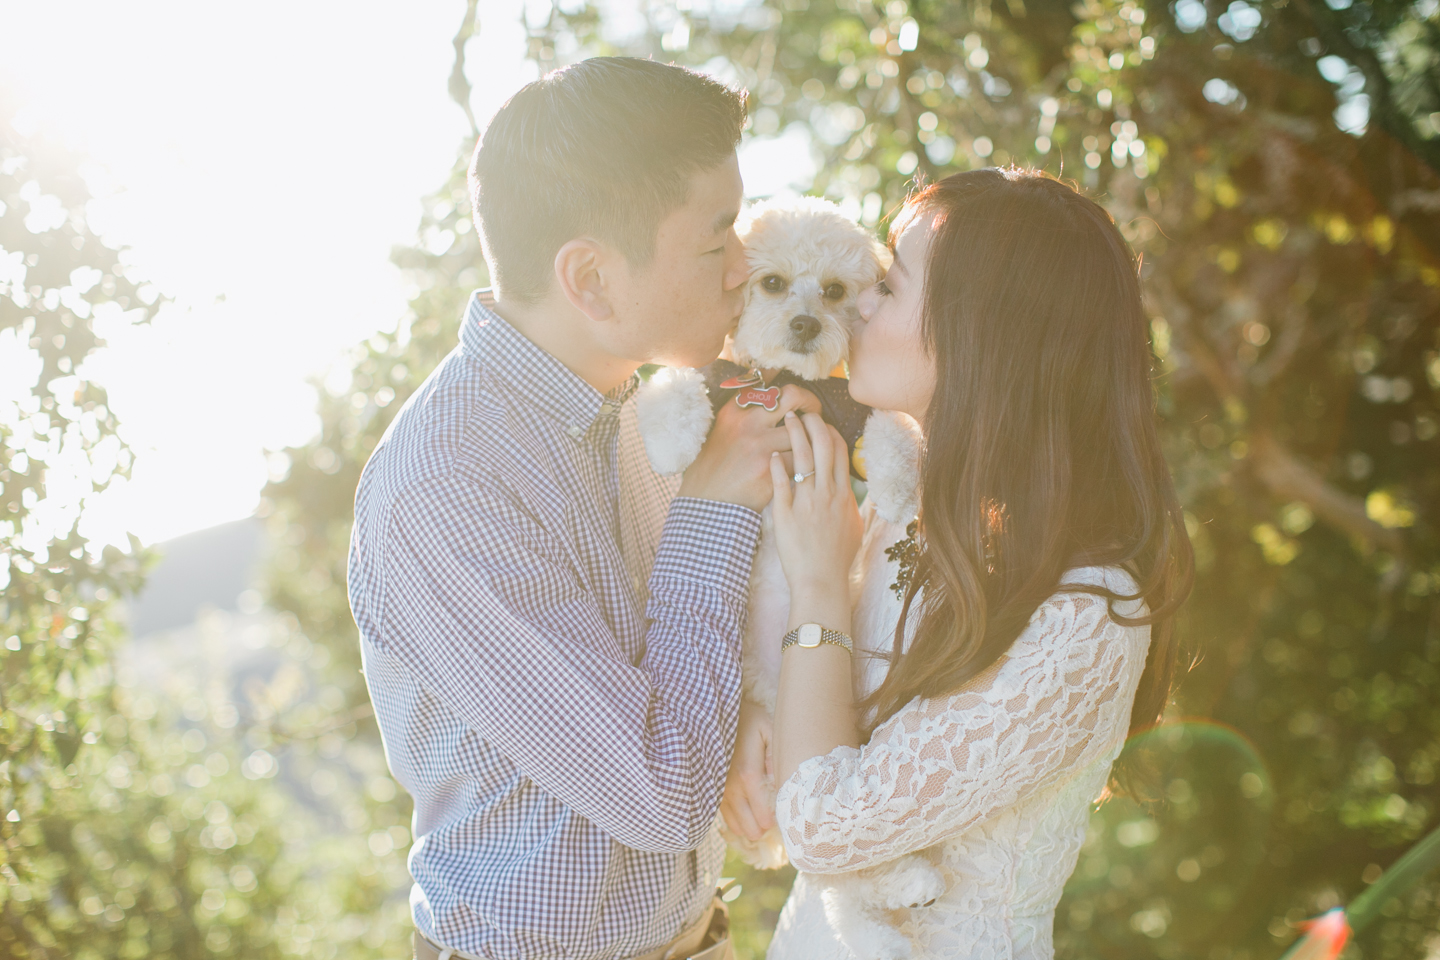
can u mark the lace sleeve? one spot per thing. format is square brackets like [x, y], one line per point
[1060, 699]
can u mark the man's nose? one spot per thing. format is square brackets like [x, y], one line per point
[804, 328]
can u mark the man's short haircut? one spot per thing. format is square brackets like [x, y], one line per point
[603, 148]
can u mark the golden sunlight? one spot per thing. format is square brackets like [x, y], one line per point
[259, 162]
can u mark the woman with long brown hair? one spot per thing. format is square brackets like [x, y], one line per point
[1007, 640]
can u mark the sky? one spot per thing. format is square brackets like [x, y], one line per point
[259, 161]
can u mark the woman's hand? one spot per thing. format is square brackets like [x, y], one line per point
[817, 524]
[748, 805]
[817, 530]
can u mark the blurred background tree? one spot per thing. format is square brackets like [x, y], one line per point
[1275, 163]
[126, 829]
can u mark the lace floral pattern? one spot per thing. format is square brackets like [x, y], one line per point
[995, 780]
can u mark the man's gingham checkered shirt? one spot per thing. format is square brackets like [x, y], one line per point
[562, 713]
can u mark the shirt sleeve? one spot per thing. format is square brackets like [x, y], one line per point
[1059, 701]
[492, 614]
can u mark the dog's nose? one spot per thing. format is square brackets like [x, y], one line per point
[804, 328]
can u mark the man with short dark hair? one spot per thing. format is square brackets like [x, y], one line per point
[550, 630]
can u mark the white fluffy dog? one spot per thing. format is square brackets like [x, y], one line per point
[807, 265]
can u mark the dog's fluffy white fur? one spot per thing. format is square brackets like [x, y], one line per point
[858, 904]
[891, 449]
[673, 413]
[808, 263]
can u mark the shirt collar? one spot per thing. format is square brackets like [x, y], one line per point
[539, 380]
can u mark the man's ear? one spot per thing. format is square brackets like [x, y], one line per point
[581, 267]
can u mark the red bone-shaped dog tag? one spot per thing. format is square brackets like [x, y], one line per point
[768, 398]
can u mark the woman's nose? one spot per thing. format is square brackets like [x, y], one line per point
[865, 303]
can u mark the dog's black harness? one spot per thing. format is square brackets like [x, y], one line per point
[839, 409]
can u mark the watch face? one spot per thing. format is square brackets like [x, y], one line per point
[809, 635]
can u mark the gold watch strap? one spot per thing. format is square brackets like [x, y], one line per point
[812, 635]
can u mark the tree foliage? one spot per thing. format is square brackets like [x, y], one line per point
[126, 828]
[1275, 163]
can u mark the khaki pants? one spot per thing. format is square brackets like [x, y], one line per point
[706, 939]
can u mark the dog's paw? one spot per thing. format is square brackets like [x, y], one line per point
[771, 853]
[913, 882]
[767, 853]
[674, 415]
[892, 448]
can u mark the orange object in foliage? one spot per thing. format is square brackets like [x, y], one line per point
[1324, 937]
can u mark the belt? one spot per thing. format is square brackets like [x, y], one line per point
[706, 939]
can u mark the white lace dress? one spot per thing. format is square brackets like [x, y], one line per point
[995, 781]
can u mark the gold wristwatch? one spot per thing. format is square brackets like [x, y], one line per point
[812, 635]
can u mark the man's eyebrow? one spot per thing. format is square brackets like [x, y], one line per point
[724, 221]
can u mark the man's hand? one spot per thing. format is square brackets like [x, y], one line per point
[748, 805]
[734, 464]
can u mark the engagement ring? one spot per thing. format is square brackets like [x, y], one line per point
[800, 477]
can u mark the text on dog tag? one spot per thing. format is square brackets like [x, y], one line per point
[768, 398]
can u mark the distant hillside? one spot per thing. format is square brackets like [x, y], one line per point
[208, 568]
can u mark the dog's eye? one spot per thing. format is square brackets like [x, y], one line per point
[774, 284]
[836, 291]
